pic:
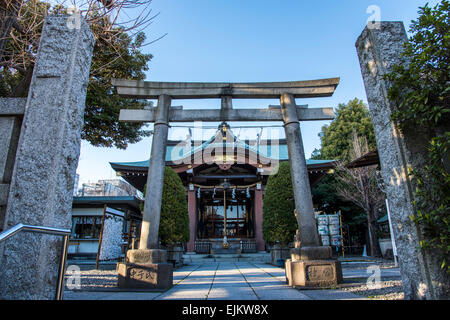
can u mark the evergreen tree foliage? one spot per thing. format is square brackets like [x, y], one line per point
[336, 138]
[174, 222]
[336, 144]
[279, 222]
[117, 54]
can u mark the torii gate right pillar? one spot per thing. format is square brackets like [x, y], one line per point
[311, 264]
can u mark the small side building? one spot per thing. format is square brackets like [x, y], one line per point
[104, 225]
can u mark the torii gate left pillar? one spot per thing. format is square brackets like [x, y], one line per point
[311, 264]
[147, 266]
[152, 206]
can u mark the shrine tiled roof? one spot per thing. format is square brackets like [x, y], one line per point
[175, 153]
[277, 151]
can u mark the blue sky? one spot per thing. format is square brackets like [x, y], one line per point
[253, 41]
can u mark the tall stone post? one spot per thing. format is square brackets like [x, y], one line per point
[311, 265]
[379, 49]
[260, 244]
[299, 174]
[47, 155]
[192, 209]
[147, 267]
[155, 177]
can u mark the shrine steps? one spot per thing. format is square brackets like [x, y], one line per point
[193, 258]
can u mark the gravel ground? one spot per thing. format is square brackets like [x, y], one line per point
[384, 290]
[103, 278]
[387, 289]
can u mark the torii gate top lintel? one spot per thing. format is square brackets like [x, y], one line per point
[206, 90]
[226, 92]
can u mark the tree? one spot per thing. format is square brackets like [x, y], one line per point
[8, 15]
[336, 137]
[420, 92]
[123, 60]
[359, 185]
[117, 54]
[420, 88]
[174, 221]
[279, 222]
[336, 144]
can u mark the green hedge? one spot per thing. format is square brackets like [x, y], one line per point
[174, 222]
[279, 222]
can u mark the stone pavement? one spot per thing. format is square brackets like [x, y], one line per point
[222, 281]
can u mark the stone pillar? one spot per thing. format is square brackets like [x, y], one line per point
[260, 244]
[299, 173]
[192, 209]
[147, 267]
[47, 155]
[379, 49]
[311, 265]
[155, 177]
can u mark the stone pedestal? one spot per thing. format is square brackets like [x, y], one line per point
[145, 269]
[313, 273]
[311, 253]
[145, 276]
[313, 267]
[143, 256]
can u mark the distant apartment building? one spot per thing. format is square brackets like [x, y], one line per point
[105, 219]
[75, 185]
[108, 188]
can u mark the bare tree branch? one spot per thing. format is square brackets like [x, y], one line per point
[21, 25]
[359, 186]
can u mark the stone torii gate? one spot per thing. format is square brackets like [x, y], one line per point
[311, 264]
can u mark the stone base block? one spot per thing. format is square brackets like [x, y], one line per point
[147, 256]
[313, 273]
[145, 276]
[311, 253]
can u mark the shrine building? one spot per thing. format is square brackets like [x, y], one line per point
[225, 179]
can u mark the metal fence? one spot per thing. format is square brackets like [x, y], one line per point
[65, 233]
[248, 247]
[202, 247]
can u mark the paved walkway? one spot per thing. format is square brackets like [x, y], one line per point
[223, 281]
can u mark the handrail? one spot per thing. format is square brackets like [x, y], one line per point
[46, 230]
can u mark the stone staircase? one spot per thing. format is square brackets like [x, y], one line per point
[193, 258]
